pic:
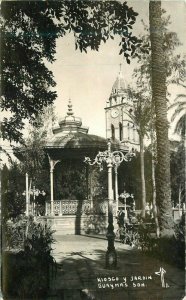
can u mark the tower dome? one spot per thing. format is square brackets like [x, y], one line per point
[120, 84]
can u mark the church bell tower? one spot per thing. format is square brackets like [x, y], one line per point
[119, 125]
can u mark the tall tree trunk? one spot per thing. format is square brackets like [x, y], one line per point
[179, 200]
[142, 170]
[29, 190]
[159, 99]
[154, 183]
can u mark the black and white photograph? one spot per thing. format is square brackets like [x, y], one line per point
[93, 149]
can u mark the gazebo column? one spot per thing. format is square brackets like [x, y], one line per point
[91, 192]
[51, 191]
[52, 165]
[27, 197]
[60, 208]
[89, 184]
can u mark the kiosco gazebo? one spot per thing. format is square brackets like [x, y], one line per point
[71, 141]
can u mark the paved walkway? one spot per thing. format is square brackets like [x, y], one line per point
[81, 273]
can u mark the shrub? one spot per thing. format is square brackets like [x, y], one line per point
[13, 205]
[38, 238]
[167, 249]
[32, 262]
[172, 250]
[146, 233]
[95, 224]
[13, 232]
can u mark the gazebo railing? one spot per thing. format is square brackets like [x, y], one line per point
[73, 207]
[69, 207]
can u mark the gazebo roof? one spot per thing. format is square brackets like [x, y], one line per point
[77, 140]
[77, 145]
[71, 139]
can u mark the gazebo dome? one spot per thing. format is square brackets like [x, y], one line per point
[69, 123]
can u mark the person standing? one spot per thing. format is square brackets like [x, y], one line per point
[121, 217]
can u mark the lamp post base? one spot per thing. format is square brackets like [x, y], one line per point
[111, 259]
[111, 255]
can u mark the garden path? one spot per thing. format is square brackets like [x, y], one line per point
[81, 273]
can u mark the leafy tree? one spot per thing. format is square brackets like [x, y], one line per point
[32, 154]
[4, 179]
[129, 177]
[174, 63]
[140, 113]
[178, 156]
[13, 202]
[99, 183]
[28, 37]
[70, 180]
[29, 30]
[178, 174]
[158, 75]
[179, 70]
[33, 159]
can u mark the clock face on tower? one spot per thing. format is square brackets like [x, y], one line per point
[115, 113]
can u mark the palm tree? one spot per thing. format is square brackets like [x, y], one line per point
[158, 75]
[175, 72]
[179, 115]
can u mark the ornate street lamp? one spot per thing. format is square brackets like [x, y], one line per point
[124, 196]
[119, 157]
[34, 192]
[112, 159]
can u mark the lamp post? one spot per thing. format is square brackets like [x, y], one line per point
[118, 159]
[52, 163]
[124, 196]
[35, 192]
[26, 193]
[112, 159]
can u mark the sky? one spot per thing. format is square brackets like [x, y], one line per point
[87, 79]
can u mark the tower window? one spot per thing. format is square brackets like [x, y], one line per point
[128, 127]
[113, 131]
[134, 133]
[120, 131]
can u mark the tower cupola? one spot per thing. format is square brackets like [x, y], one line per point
[118, 93]
[120, 85]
